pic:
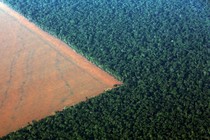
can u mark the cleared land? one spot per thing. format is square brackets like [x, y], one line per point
[39, 74]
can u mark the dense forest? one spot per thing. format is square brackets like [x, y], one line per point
[158, 48]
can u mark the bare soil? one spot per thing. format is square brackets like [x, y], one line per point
[39, 74]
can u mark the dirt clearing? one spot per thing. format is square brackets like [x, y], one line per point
[39, 74]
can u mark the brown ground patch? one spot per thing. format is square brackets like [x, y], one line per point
[39, 74]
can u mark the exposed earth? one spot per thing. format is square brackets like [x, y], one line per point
[39, 74]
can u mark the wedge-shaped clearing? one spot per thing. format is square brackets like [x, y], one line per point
[39, 74]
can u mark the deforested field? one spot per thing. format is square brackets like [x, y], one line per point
[39, 74]
[159, 49]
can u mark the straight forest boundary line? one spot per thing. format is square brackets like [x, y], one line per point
[84, 63]
[160, 50]
[40, 74]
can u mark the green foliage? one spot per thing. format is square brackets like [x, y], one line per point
[158, 48]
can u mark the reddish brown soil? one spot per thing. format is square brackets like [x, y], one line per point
[39, 74]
